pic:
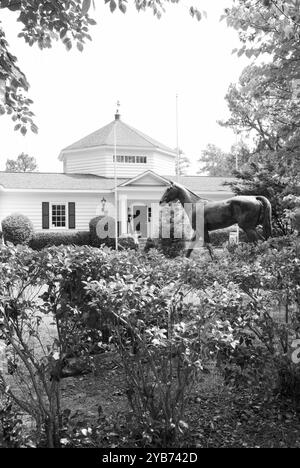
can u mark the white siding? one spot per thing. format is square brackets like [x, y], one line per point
[90, 161]
[30, 204]
[164, 164]
[100, 162]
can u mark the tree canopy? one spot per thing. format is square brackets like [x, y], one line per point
[217, 163]
[183, 163]
[43, 22]
[23, 163]
[265, 102]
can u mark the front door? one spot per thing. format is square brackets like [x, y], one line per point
[140, 219]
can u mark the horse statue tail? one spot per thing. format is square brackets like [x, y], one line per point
[266, 216]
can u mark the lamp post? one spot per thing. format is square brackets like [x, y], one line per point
[103, 201]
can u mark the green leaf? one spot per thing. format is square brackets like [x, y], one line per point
[122, 7]
[86, 4]
[79, 46]
[23, 130]
[112, 5]
[17, 127]
[68, 43]
[63, 32]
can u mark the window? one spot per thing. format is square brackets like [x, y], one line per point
[131, 159]
[141, 159]
[58, 216]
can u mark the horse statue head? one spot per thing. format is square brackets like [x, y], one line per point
[171, 194]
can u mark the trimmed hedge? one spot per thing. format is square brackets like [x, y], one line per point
[151, 244]
[17, 229]
[40, 240]
[221, 236]
[95, 241]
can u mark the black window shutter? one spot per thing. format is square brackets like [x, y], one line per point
[72, 220]
[45, 215]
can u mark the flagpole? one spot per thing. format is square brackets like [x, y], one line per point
[177, 144]
[237, 168]
[115, 176]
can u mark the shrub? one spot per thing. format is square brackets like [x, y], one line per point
[95, 241]
[40, 240]
[172, 246]
[221, 236]
[151, 244]
[250, 301]
[17, 229]
[127, 243]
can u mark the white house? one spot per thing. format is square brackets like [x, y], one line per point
[86, 188]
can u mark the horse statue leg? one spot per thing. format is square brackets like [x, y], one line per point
[252, 235]
[190, 249]
[207, 243]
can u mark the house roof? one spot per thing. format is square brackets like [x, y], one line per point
[88, 182]
[126, 135]
[203, 183]
[54, 181]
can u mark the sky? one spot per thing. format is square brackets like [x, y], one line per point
[139, 60]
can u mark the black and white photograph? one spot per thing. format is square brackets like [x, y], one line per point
[149, 227]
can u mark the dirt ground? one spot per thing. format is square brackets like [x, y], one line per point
[216, 416]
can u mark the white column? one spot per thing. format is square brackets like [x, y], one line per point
[155, 220]
[123, 213]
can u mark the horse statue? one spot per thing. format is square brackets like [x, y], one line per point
[246, 211]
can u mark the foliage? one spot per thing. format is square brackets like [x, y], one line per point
[221, 236]
[168, 319]
[172, 231]
[17, 229]
[108, 241]
[271, 179]
[11, 426]
[267, 26]
[217, 163]
[23, 163]
[183, 163]
[159, 351]
[250, 302]
[265, 103]
[33, 363]
[44, 22]
[40, 240]
[151, 244]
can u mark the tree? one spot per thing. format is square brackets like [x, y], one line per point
[215, 162]
[183, 163]
[266, 26]
[271, 179]
[265, 103]
[23, 163]
[46, 21]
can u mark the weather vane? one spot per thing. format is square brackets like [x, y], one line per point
[118, 107]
